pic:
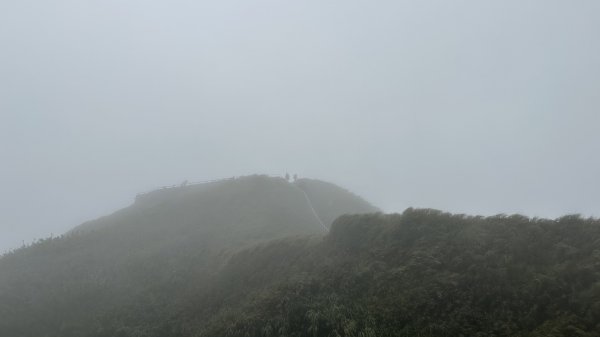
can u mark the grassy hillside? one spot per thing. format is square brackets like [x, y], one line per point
[144, 261]
[241, 258]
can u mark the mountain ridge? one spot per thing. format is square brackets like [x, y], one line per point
[249, 259]
[171, 241]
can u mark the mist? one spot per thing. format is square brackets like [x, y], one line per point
[464, 106]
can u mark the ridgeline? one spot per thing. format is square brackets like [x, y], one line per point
[260, 256]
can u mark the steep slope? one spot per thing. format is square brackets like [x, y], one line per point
[151, 255]
[422, 273]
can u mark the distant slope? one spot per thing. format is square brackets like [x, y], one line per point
[330, 200]
[151, 255]
[220, 214]
[422, 273]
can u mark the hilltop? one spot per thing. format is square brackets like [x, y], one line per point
[168, 244]
[262, 257]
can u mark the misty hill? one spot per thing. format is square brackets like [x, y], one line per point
[156, 252]
[231, 212]
[146, 271]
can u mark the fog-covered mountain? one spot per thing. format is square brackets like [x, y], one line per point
[166, 245]
[262, 257]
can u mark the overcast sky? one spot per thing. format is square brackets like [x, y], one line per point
[480, 107]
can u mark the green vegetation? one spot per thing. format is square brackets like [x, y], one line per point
[422, 273]
[146, 260]
[245, 258]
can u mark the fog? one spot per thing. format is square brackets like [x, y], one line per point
[465, 106]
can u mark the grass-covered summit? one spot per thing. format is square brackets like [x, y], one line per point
[153, 254]
[260, 257]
